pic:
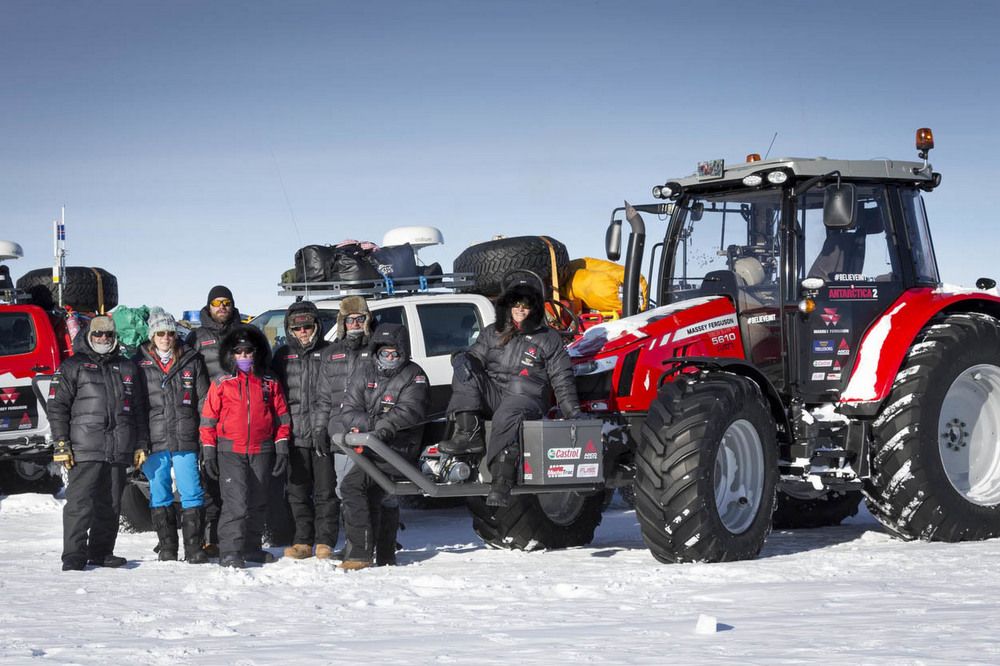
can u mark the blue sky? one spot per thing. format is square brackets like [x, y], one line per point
[202, 143]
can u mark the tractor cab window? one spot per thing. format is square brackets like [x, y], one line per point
[727, 244]
[918, 235]
[859, 254]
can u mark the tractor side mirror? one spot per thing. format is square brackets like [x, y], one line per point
[613, 240]
[839, 205]
[697, 211]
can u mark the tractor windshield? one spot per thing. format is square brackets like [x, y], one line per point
[725, 243]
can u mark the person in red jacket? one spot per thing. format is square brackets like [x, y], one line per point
[245, 428]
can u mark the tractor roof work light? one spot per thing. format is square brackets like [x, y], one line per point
[753, 157]
[669, 190]
[753, 180]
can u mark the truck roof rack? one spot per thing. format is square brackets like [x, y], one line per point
[384, 287]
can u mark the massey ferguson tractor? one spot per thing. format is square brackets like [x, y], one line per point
[801, 351]
[798, 350]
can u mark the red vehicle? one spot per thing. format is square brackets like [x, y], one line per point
[33, 341]
[801, 351]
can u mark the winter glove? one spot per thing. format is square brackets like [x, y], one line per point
[572, 412]
[462, 367]
[280, 458]
[280, 465]
[139, 458]
[321, 441]
[211, 462]
[384, 435]
[62, 454]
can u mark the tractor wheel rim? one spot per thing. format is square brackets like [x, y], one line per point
[968, 434]
[739, 476]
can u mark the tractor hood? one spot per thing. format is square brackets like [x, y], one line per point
[620, 333]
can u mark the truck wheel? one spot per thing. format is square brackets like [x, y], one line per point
[707, 467]
[807, 512]
[489, 262]
[135, 516]
[537, 522]
[84, 288]
[935, 451]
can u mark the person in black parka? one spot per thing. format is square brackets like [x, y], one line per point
[507, 375]
[312, 480]
[388, 397]
[176, 385]
[97, 412]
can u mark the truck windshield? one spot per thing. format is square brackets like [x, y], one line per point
[723, 243]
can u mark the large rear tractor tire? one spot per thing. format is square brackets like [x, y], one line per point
[539, 522]
[827, 510]
[489, 262]
[707, 467]
[936, 449]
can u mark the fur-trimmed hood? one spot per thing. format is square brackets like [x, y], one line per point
[297, 310]
[392, 335]
[515, 293]
[245, 333]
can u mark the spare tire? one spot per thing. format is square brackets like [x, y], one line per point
[488, 262]
[84, 288]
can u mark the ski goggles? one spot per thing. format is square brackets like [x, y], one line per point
[355, 320]
[388, 354]
[221, 303]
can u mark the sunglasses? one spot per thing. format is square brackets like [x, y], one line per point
[103, 334]
[356, 319]
[221, 303]
[165, 334]
[307, 327]
[243, 351]
[388, 354]
[521, 305]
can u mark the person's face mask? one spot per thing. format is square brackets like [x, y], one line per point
[102, 342]
[244, 364]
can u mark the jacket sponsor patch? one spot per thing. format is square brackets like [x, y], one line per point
[145, 363]
[290, 357]
[420, 379]
[90, 366]
[725, 321]
[205, 343]
[337, 357]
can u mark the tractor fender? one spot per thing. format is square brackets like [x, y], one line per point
[737, 366]
[885, 344]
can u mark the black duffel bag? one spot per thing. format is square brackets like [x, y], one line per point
[312, 263]
[351, 263]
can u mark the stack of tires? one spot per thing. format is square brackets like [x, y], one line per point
[85, 289]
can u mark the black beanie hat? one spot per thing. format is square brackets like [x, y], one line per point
[219, 291]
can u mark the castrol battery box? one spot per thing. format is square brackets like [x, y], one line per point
[562, 452]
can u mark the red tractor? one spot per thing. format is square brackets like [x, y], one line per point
[800, 350]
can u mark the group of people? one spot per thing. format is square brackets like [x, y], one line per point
[219, 416]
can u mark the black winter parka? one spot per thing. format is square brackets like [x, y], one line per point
[206, 339]
[395, 401]
[97, 403]
[175, 398]
[342, 359]
[297, 367]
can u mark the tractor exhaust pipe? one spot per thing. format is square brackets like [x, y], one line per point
[633, 261]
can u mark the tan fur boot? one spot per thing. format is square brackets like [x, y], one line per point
[299, 551]
[354, 565]
[323, 551]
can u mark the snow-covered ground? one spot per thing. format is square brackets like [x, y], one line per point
[845, 595]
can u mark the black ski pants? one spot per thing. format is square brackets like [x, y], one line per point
[505, 411]
[312, 496]
[359, 494]
[90, 515]
[243, 480]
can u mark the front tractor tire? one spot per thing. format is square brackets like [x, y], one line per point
[707, 468]
[936, 442]
[539, 522]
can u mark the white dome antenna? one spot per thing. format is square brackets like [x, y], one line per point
[417, 237]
